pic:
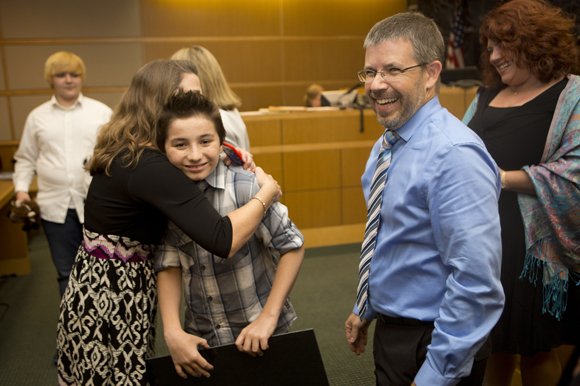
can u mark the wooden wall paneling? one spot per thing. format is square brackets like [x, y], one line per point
[5, 131]
[111, 64]
[354, 209]
[255, 98]
[210, 18]
[315, 208]
[353, 163]
[310, 170]
[336, 127]
[164, 49]
[453, 99]
[332, 17]
[253, 68]
[324, 59]
[457, 99]
[252, 61]
[25, 65]
[245, 61]
[22, 105]
[2, 72]
[372, 125]
[272, 164]
[109, 98]
[27, 19]
[263, 132]
[309, 128]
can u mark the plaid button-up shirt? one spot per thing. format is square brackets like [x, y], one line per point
[223, 296]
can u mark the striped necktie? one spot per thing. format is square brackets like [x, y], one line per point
[373, 217]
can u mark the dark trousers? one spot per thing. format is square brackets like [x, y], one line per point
[400, 348]
[64, 241]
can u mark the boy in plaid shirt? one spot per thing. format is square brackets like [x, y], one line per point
[243, 299]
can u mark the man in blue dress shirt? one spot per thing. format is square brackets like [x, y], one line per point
[434, 283]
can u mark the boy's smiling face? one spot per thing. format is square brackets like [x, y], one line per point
[193, 146]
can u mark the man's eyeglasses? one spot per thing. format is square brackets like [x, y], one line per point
[387, 74]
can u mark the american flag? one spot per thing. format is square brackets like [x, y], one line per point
[455, 49]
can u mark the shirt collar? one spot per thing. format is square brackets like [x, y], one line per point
[78, 102]
[417, 120]
[216, 179]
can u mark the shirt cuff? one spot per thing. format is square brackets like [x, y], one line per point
[428, 376]
[371, 315]
[21, 187]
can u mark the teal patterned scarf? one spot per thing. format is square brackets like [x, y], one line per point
[552, 217]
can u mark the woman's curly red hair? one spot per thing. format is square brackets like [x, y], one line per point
[535, 35]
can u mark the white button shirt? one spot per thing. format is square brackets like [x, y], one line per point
[54, 145]
[236, 132]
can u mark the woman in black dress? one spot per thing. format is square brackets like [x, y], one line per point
[106, 326]
[525, 117]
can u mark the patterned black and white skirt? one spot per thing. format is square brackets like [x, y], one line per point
[106, 327]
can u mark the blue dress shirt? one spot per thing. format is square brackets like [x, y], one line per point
[438, 253]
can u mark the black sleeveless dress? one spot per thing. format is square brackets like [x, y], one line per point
[515, 137]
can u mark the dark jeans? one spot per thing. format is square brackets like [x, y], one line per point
[64, 241]
[400, 348]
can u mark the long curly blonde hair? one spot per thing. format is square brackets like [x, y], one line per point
[132, 128]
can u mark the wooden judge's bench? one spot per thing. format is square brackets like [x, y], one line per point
[13, 240]
[317, 157]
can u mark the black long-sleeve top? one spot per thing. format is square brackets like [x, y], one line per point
[136, 203]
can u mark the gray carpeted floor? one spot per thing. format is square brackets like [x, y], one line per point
[323, 297]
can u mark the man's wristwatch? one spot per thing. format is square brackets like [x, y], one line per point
[503, 186]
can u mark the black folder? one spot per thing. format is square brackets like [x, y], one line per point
[292, 359]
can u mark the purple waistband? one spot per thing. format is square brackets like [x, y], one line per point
[111, 247]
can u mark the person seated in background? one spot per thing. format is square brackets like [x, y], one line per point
[314, 97]
[242, 299]
[215, 87]
[57, 138]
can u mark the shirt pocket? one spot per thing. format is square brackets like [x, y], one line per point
[241, 254]
[187, 256]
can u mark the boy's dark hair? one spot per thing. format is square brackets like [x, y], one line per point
[187, 104]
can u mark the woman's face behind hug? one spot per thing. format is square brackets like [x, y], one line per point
[193, 146]
[190, 82]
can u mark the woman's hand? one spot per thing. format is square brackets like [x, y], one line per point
[247, 157]
[268, 186]
[186, 358]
